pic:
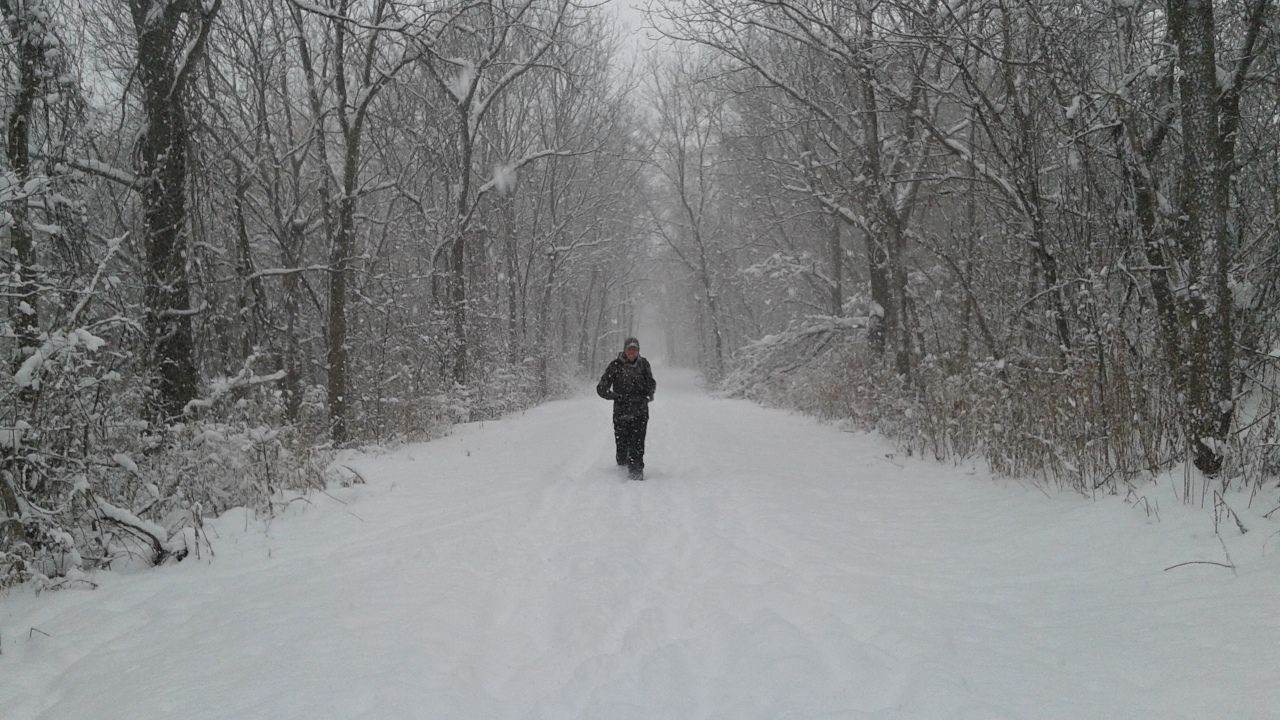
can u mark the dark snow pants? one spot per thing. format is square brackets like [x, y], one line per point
[629, 427]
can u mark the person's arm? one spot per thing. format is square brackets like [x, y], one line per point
[604, 388]
[653, 384]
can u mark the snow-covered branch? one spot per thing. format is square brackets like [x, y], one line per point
[103, 170]
[191, 53]
[163, 547]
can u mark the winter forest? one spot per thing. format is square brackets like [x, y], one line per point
[964, 317]
[240, 236]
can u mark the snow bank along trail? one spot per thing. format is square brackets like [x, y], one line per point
[769, 567]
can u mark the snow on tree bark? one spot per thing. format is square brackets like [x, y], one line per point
[164, 66]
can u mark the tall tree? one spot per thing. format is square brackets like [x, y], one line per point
[503, 42]
[170, 40]
[357, 82]
[1209, 112]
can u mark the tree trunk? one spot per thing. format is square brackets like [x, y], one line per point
[588, 300]
[162, 154]
[250, 298]
[25, 321]
[511, 250]
[336, 401]
[882, 310]
[713, 310]
[292, 348]
[901, 338]
[25, 317]
[885, 239]
[601, 315]
[837, 267]
[1153, 244]
[458, 307]
[544, 321]
[340, 256]
[12, 531]
[341, 249]
[1203, 235]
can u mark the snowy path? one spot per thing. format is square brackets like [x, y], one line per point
[769, 567]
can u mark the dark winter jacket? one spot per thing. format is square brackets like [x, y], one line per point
[629, 385]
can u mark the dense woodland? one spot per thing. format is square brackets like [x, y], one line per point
[242, 235]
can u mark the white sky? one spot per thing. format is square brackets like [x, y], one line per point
[631, 14]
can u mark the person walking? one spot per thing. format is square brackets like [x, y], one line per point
[629, 383]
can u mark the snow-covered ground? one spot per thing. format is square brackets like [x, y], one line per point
[770, 567]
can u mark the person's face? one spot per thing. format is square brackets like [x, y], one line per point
[632, 353]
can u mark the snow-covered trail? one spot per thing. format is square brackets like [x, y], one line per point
[769, 567]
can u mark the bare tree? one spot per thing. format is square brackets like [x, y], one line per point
[1209, 109]
[170, 39]
[511, 40]
[686, 148]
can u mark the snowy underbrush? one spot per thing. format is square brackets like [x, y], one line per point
[1071, 428]
[112, 495]
[1092, 427]
[95, 487]
[783, 369]
[504, 388]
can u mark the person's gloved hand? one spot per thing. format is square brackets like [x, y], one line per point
[649, 399]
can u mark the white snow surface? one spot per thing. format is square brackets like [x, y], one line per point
[769, 567]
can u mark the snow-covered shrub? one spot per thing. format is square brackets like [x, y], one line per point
[507, 387]
[87, 483]
[98, 488]
[786, 368]
[504, 388]
[1075, 426]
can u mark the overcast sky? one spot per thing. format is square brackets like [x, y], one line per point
[631, 14]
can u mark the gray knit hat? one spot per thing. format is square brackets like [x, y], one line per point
[631, 343]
